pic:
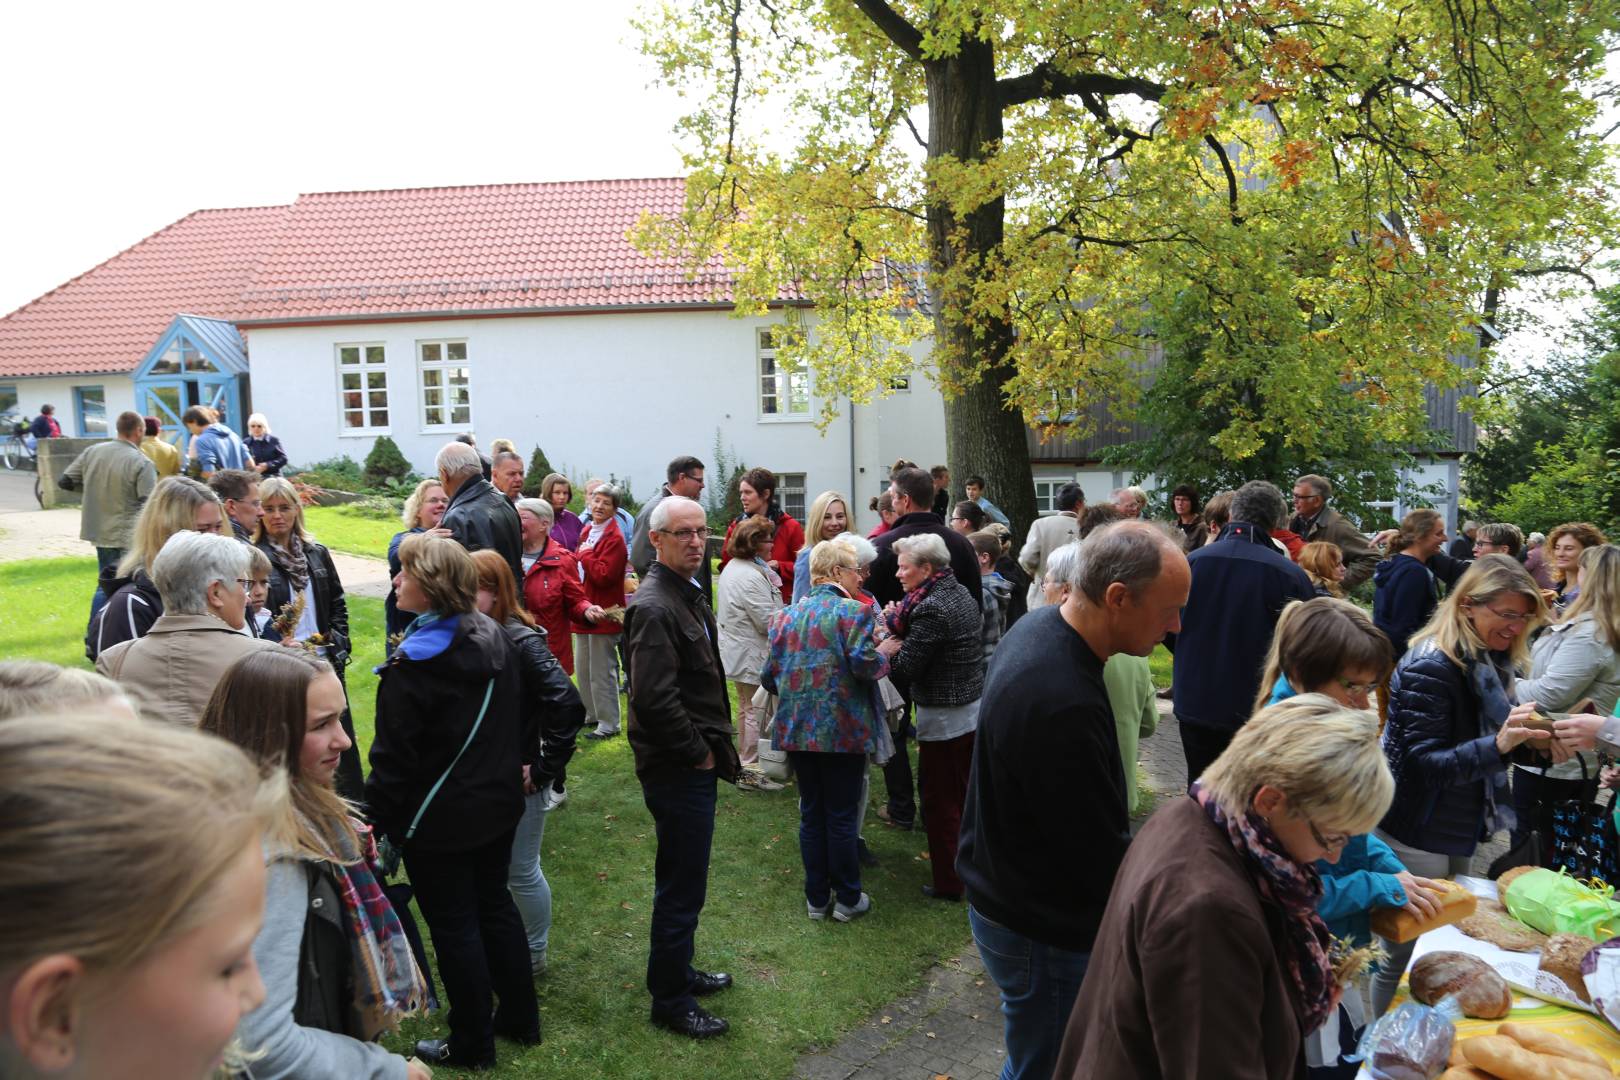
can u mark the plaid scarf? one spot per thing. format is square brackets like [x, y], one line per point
[292, 561]
[1490, 680]
[1296, 889]
[387, 983]
[900, 616]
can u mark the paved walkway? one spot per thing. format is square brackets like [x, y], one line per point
[26, 532]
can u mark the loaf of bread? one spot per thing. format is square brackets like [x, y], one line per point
[1562, 956]
[1480, 991]
[1507, 877]
[1400, 925]
[1465, 1072]
[1494, 923]
[1541, 1041]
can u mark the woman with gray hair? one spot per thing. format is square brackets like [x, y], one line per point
[1298, 780]
[934, 645]
[171, 672]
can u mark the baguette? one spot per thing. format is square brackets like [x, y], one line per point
[1400, 925]
[1506, 1059]
[1541, 1041]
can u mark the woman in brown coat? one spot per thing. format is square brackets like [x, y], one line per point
[1211, 960]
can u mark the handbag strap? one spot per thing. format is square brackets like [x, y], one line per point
[489, 692]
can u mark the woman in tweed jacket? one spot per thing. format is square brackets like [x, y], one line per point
[935, 649]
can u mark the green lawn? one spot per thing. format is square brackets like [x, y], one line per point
[352, 531]
[798, 982]
[1159, 662]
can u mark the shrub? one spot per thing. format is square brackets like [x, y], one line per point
[384, 463]
[340, 473]
[539, 469]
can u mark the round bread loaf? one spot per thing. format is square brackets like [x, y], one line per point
[1562, 956]
[1479, 990]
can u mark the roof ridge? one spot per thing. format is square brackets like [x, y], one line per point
[143, 240]
[497, 186]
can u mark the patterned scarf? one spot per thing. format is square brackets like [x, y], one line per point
[1294, 888]
[387, 983]
[292, 561]
[900, 616]
[1490, 683]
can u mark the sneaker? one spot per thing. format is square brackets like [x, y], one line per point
[819, 913]
[749, 779]
[555, 798]
[846, 912]
[537, 962]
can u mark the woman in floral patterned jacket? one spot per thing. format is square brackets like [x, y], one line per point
[824, 667]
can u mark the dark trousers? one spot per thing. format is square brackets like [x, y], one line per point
[897, 777]
[682, 807]
[943, 767]
[105, 557]
[349, 781]
[1534, 797]
[830, 824]
[480, 944]
[1202, 745]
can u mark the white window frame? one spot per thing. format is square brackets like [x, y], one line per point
[765, 356]
[900, 384]
[793, 485]
[423, 366]
[363, 369]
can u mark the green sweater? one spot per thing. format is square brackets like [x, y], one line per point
[1131, 696]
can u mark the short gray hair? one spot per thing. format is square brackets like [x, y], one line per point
[192, 561]
[860, 545]
[659, 521]
[1129, 552]
[504, 456]
[1260, 504]
[1319, 484]
[540, 509]
[457, 459]
[924, 547]
[1063, 565]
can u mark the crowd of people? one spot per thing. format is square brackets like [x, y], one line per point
[1337, 761]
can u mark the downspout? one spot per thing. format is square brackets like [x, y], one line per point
[854, 495]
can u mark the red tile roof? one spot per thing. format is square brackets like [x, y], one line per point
[108, 318]
[363, 255]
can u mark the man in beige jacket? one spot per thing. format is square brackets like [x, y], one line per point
[1047, 535]
[171, 672]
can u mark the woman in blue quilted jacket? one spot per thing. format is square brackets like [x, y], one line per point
[1453, 729]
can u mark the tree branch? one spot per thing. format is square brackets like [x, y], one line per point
[1559, 268]
[894, 26]
[1046, 81]
[1231, 178]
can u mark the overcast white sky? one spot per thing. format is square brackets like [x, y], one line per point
[124, 118]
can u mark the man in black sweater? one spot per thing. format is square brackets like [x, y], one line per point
[912, 490]
[1046, 822]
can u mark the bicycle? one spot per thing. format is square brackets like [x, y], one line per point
[17, 451]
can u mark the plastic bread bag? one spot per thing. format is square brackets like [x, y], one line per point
[1600, 969]
[1412, 1042]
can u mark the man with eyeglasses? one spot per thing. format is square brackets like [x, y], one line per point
[680, 731]
[685, 475]
[1314, 520]
[238, 489]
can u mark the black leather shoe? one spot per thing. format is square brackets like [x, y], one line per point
[932, 894]
[708, 983]
[697, 1024]
[437, 1052]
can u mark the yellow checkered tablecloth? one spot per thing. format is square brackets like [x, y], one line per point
[1583, 1028]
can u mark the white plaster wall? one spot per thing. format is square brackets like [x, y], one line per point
[58, 390]
[603, 393]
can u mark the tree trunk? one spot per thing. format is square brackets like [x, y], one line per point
[982, 435]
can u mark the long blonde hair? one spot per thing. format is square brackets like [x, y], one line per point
[1319, 559]
[1453, 633]
[171, 508]
[274, 487]
[106, 857]
[1600, 592]
[817, 517]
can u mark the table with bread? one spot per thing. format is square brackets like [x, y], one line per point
[1525, 991]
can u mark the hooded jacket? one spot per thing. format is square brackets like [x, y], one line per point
[430, 694]
[1408, 591]
[997, 591]
[133, 605]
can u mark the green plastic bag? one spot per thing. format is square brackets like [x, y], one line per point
[1556, 903]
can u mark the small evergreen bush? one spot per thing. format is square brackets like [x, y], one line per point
[384, 463]
[539, 469]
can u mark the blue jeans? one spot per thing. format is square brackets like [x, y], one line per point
[526, 880]
[830, 787]
[105, 557]
[1038, 984]
[682, 805]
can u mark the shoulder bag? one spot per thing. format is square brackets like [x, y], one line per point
[387, 854]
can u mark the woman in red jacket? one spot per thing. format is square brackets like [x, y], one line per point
[603, 554]
[552, 592]
[757, 489]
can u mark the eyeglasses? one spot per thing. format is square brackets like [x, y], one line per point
[686, 536]
[246, 583]
[853, 569]
[1357, 687]
[1330, 843]
[1510, 617]
[1306, 498]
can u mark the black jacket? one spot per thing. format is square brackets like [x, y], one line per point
[942, 655]
[1240, 585]
[1407, 592]
[428, 699]
[964, 560]
[331, 609]
[553, 712]
[679, 711]
[133, 605]
[480, 517]
[267, 452]
[1440, 760]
